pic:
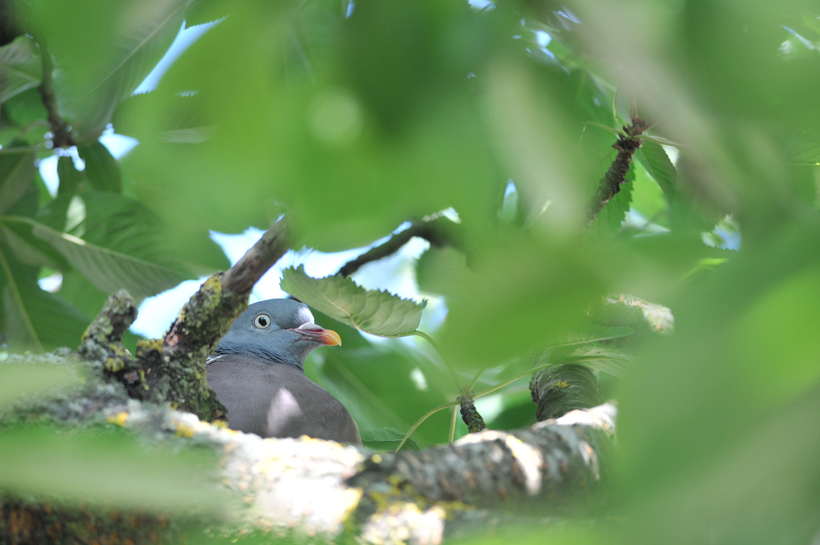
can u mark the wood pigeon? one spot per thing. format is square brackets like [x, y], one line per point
[257, 373]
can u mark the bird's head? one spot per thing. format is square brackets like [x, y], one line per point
[276, 330]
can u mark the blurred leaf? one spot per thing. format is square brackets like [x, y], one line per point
[25, 108]
[436, 265]
[628, 310]
[654, 159]
[386, 439]
[811, 21]
[27, 248]
[22, 381]
[804, 148]
[16, 174]
[101, 169]
[375, 312]
[517, 297]
[614, 212]
[184, 123]
[110, 270]
[111, 468]
[600, 358]
[103, 51]
[38, 320]
[20, 67]
[204, 11]
[70, 178]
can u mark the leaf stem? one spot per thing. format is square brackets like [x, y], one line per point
[475, 379]
[519, 376]
[450, 368]
[418, 423]
[453, 423]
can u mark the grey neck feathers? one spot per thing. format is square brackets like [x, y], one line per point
[262, 352]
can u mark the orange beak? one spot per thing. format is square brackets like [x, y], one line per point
[315, 333]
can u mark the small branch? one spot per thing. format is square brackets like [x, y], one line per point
[102, 341]
[475, 422]
[438, 231]
[268, 250]
[615, 177]
[62, 137]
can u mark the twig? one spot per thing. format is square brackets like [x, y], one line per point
[438, 231]
[268, 250]
[627, 144]
[62, 137]
[475, 422]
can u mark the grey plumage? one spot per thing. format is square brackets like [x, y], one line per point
[257, 373]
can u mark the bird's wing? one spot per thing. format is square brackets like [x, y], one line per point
[278, 400]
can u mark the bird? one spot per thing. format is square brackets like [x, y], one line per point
[257, 372]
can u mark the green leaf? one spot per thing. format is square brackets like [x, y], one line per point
[28, 249]
[111, 468]
[613, 214]
[38, 320]
[631, 310]
[25, 108]
[101, 169]
[437, 266]
[204, 11]
[375, 312]
[20, 67]
[657, 164]
[600, 357]
[16, 173]
[70, 177]
[386, 439]
[805, 148]
[110, 270]
[811, 21]
[103, 51]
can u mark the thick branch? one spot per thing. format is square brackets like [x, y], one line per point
[308, 487]
[438, 231]
[560, 389]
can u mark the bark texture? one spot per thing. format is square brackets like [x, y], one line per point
[309, 487]
[611, 183]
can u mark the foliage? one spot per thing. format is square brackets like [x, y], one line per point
[353, 118]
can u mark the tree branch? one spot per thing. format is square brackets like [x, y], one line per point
[560, 389]
[62, 137]
[611, 183]
[471, 416]
[438, 231]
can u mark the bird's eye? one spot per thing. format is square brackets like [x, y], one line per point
[262, 321]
